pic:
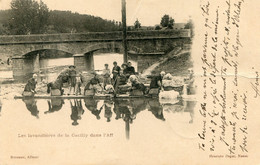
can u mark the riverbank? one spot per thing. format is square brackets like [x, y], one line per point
[177, 66]
[11, 89]
[8, 91]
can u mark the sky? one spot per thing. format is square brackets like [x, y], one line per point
[148, 12]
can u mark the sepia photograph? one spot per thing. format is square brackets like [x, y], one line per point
[122, 82]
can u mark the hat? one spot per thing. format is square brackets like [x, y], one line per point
[114, 62]
[162, 73]
[124, 64]
[106, 64]
[132, 78]
[72, 66]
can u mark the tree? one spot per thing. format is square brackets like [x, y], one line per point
[167, 21]
[157, 27]
[28, 17]
[190, 25]
[137, 24]
[58, 22]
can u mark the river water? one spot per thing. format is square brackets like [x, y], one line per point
[85, 130]
[99, 61]
[122, 117]
[88, 130]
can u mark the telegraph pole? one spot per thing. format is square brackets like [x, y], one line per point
[124, 29]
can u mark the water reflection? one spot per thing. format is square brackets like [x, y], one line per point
[180, 106]
[31, 106]
[108, 112]
[123, 110]
[91, 105]
[156, 108]
[54, 105]
[76, 111]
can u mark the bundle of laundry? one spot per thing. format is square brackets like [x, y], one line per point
[170, 81]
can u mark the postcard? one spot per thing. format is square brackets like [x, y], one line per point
[116, 82]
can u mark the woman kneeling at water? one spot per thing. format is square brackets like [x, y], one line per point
[31, 84]
[94, 84]
[136, 84]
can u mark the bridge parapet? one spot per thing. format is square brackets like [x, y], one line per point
[88, 37]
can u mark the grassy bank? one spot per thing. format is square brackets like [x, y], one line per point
[177, 66]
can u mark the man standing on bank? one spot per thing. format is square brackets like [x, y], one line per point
[72, 79]
[106, 76]
[130, 68]
[116, 72]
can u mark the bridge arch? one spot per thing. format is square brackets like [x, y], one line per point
[85, 60]
[109, 46]
[39, 61]
[51, 53]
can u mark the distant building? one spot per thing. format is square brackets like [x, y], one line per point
[179, 26]
[176, 26]
[141, 28]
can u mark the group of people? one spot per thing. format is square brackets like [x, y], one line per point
[124, 76]
[69, 75]
[118, 73]
[110, 82]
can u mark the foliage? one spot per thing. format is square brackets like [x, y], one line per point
[68, 22]
[4, 15]
[167, 21]
[157, 27]
[190, 25]
[31, 17]
[137, 24]
[28, 17]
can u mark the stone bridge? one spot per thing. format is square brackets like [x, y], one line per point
[142, 46]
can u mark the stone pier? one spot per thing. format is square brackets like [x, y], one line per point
[22, 68]
[84, 62]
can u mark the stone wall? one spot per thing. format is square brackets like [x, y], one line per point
[157, 45]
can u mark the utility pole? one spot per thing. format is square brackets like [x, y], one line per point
[124, 29]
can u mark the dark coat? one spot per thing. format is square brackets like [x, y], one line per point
[31, 85]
